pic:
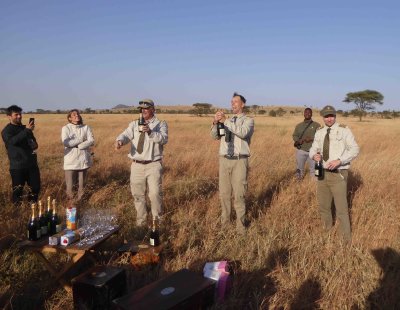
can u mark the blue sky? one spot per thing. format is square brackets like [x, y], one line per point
[66, 54]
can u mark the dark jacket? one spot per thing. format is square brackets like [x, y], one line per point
[18, 141]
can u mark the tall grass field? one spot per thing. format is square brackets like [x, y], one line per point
[285, 261]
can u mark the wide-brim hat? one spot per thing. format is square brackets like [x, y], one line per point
[146, 103]
[328, 110]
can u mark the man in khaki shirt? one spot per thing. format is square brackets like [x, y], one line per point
[335, 145]
[234, 152]
[146, 154]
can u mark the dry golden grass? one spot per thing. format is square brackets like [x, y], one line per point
[285, 261]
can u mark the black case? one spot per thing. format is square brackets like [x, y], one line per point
[96, 288]
[181, 290]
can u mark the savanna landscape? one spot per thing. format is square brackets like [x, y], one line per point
[285, 261]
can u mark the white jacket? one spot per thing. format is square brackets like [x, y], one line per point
[77, 140]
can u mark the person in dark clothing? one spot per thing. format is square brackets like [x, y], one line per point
[21, 148]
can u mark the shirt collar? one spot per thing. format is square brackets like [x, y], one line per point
[151, 120]
[334, 126]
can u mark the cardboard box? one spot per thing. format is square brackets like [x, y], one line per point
[181, 290]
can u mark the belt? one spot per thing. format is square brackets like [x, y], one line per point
[332, 171]
[236, 156]
[145, 162]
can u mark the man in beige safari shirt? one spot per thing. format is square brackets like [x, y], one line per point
[234, 155]
[146, 154]
[335, 145]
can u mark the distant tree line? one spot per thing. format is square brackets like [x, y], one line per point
[203, 111]
[364, 100]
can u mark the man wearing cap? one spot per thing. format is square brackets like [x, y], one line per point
[146, 154]
[335, 145]
[303, 136]
[234, 152]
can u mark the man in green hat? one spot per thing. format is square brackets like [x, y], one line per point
[335, 145]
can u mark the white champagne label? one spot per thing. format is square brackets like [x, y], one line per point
[152, 241]
[317, 173]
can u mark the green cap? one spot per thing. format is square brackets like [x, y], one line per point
[328, 110]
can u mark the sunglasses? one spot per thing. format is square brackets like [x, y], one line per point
[144, 103]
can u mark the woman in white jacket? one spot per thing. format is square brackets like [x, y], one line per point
[77, 139]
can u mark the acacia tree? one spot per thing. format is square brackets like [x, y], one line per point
[254, 109]
[364, 100]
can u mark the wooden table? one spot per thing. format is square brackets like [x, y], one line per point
[77, 253]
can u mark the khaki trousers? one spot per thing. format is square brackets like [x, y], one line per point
[149, 176]
[73, 178]
[334, 186]
[233, 180]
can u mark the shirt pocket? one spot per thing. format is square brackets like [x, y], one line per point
[339, 136]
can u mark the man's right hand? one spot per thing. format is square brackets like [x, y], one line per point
[219, 117]
[317, 157]
[118, 145]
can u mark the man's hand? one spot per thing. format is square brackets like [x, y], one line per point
[118, 144]
[146, 128]
[317, 157]
[334, 164]
[219, 117]
[30, 126]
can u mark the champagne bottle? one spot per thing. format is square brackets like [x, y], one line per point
[55, 223]
[141, 122]
[220, 129]
[34, 230]
[319, 169]
[154, 234]
[49, 213]
[42, 220]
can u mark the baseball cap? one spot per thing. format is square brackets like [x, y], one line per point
[146, 103]
[328, 110]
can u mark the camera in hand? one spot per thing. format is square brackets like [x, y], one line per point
[297, 144]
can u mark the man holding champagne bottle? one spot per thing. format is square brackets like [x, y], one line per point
[234, 155]
[21, 148]
[147, 136]
[335, 145]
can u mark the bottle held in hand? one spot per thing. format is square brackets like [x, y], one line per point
[154, 233]
[141, 122]
[319, 169]
[220, 129]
